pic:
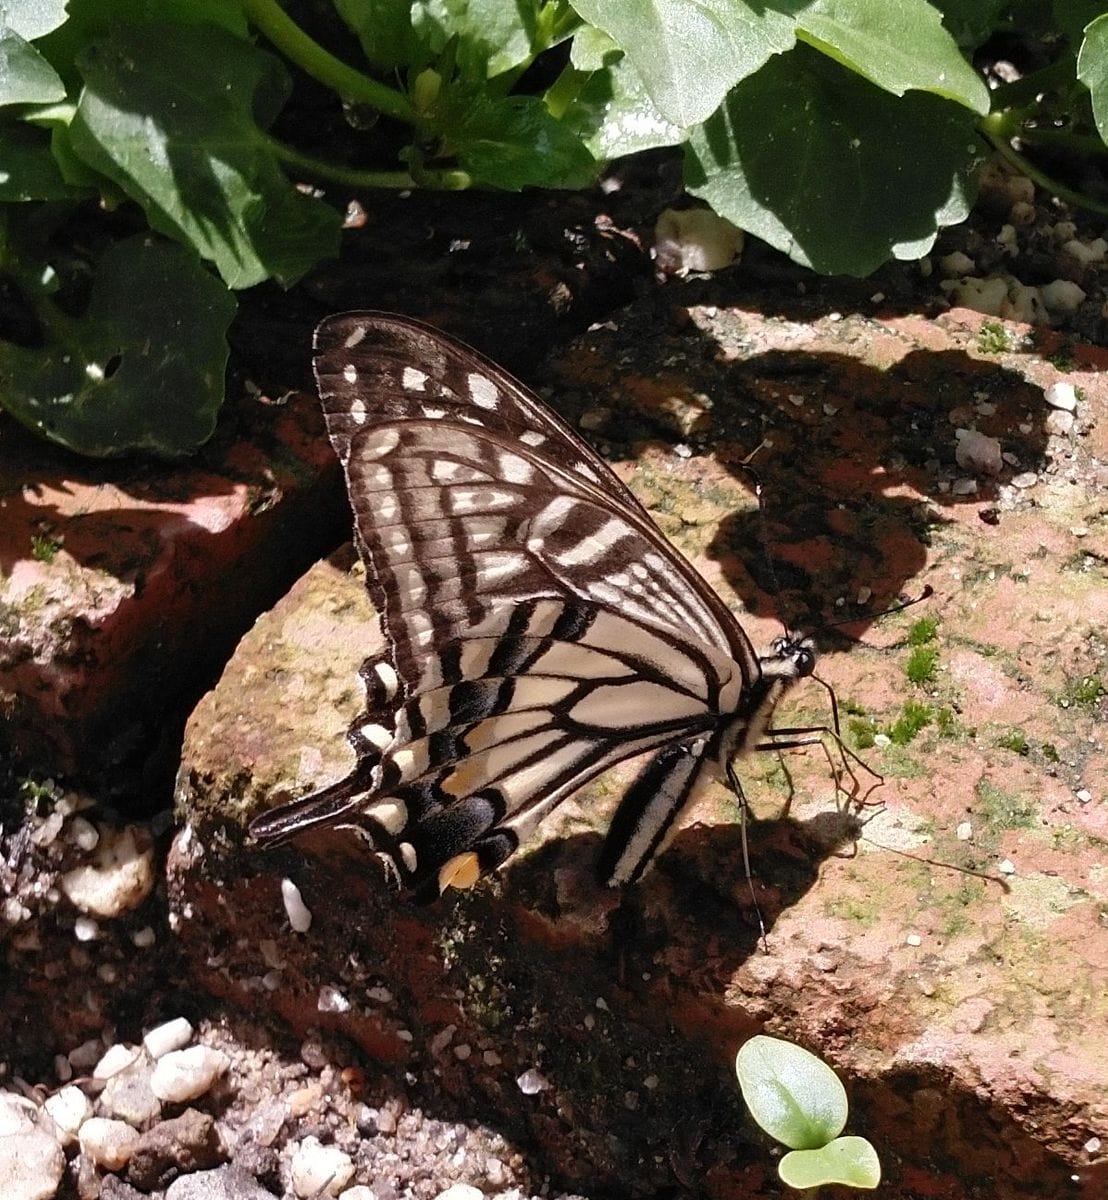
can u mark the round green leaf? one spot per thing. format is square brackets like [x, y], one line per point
[1092, 70]
[828, 168]
[848, 1160]
[794, 1096]
[142, 370]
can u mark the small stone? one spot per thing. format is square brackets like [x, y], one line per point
[185, 1074]
[964, 832]
[298, 913]
[319, 1170]
[594, 419]
[224, 1183]
[128, 1096]
[461, 1191]
[1006, 867]
[1061, 395]
[171, 1035]
[175, 1147]
[963, 487]
[85, 929]
[1092, 1146]
[462, 1052]
[1062, 296]
[115, 1059]
[16, 1115]
[107, 1143]
[331, 1000]
[490, 1058]
[955, 264]
[31, 1165]
[531, 1082]
[1026, 480]
[974, 451]
[1059, 423]
[83, 834]
[86, 1055]
[358, 1192]
[381, 995]
[68, 1109]
[143, 937]
[119, 877]
[442, 1039]
[1083, 795]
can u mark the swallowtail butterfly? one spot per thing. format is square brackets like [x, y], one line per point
[538, 626]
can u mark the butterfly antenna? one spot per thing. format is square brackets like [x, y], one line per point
[763, 527]
[927, 592]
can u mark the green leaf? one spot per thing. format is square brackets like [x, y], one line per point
[829, 168]
[32, 18]
[142, 370]
[493, 36]
[1092, 70]
[25, 76]
[513, 142]
[612, 112]
[690, 53]
[971, 22]
[170, 114]
[28, 168]
[794, 1096]
[384, 29]
[848, 1160]
[900, 47]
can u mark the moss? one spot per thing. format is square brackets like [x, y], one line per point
[1085, 692]
[852, 707]
[993, 338]
[44, 549]
[1003, 810]
[921, 665]
[863, 731]
[945, 723]
[858, 910]
[923, 631]
[914, 717]
[1015, 741]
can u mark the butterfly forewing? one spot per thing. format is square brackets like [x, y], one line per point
[539, 629]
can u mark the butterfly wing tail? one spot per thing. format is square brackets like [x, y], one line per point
[332, 806]
[645, 817]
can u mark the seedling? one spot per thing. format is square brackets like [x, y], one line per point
[799, 1101]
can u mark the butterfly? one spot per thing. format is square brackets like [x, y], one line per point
[538, 627]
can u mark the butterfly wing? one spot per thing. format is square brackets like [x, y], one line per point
[539, 628]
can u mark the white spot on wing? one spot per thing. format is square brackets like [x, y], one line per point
[358, 412]
[388, 677]
[532, 437]
[376, 735]
[392, 815]
[350, 373]
[408, 855]
[482, 391]
[413, 380]
[383, 440]
[355, 337]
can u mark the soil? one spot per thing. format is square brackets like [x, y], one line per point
[537, 1039]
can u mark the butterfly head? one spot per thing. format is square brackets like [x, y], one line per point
[792, 658]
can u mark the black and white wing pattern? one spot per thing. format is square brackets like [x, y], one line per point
[538, 627]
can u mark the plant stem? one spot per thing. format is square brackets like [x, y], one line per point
[1017, 160]
[349, 176]
[270, 19]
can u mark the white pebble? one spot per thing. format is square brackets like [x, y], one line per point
[115, 1059]
[319, 1170]
[1025, 480]
[143, 937]
[1006, 867]
[953, 265]
[461, 1191]
[1062, 296]
[298, 913]
[358, 1192]
[531, 1082]
[31, 1166]
[109, 1144]
[119, 877]
[85, 929]
[83, 833]
[977, 452]
[1061, 395]
[86, 1055]
[172, 1035]
[15, 1114]
[185, 1074]
[964, 832]
[1059, 423]
[1086, 252]
[332, 1000]
[914, 939]
[1083, 795]
[69, 1109]
[963, 487]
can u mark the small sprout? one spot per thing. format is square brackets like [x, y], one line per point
[44, 549]
[799, 1101]
[923, 631]
[1014, 741]
[993, 338]
[913, 718]
[921, 664]
[863, 731]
